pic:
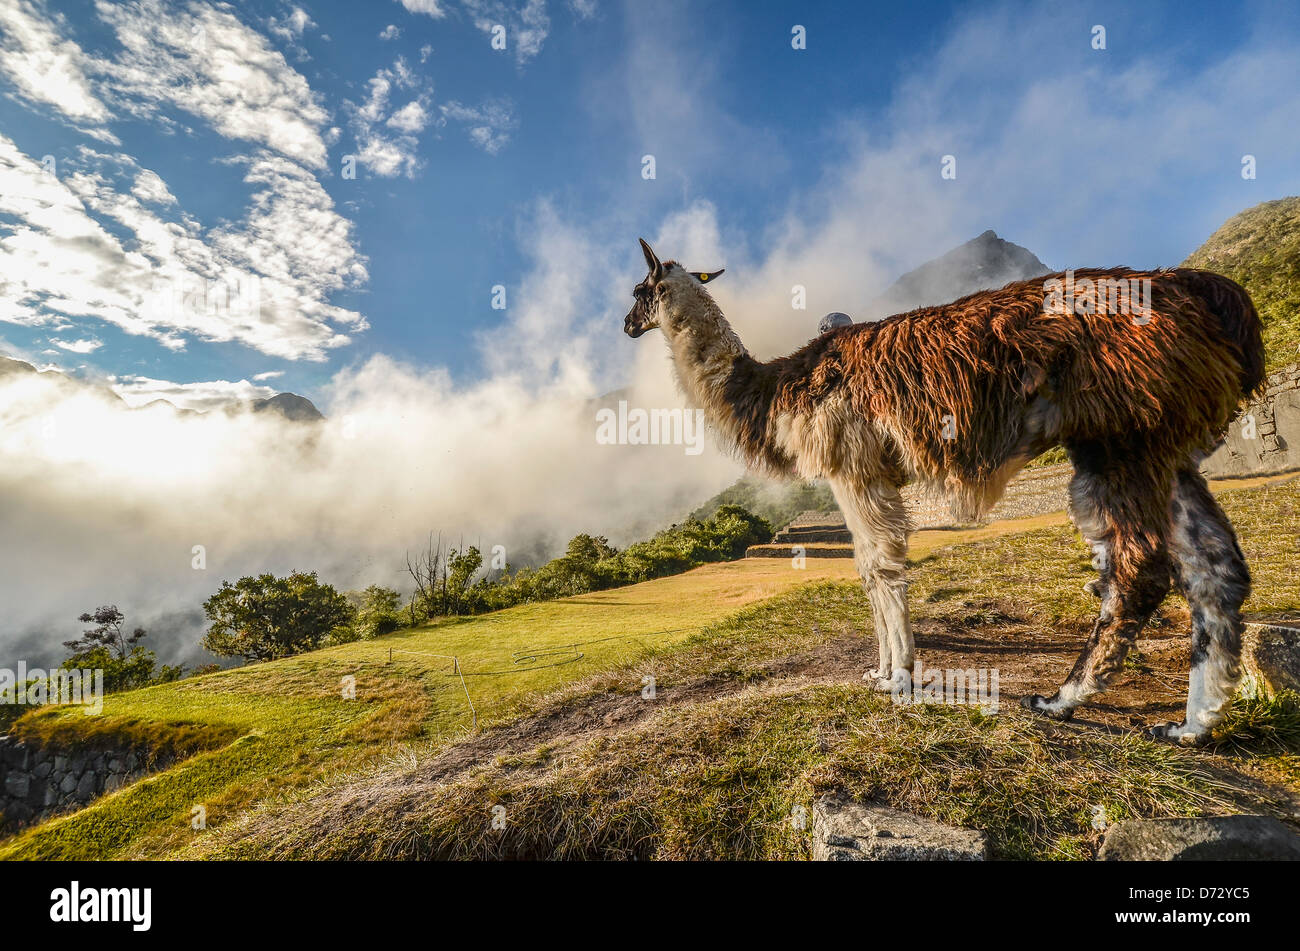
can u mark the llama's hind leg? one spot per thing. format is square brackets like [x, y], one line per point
[877, 519]
[1121, 510]
[1212, 573]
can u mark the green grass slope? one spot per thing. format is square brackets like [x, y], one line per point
[1260, 249]
[774, 500]
[295, 727]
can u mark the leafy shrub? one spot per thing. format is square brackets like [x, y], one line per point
[377, 611]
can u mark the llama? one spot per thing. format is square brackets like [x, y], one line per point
[961, 397]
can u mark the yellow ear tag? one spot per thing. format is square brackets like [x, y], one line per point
[704, 278]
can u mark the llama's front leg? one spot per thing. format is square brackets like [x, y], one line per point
[887, 590]
[877, 519]
[884, 668]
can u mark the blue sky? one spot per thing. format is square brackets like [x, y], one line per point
[499, 149]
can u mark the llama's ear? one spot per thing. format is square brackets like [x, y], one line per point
[706, 276]
[651, 260]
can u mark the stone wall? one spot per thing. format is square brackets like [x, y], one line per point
[1266, 437]
[37, 782]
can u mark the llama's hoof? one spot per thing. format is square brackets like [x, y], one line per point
[898, 683]
[1178, 733]
[1046, 706]
[876, 682]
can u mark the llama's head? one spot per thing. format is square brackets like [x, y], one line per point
[664, 278]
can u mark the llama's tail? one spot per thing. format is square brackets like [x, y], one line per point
[1238, 320]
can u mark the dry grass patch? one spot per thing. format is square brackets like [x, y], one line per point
[729, 779]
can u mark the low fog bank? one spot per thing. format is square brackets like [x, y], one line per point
[104, 504]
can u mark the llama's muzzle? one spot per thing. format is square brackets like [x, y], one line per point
[633, 325]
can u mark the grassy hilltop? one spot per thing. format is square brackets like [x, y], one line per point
[1260, 249]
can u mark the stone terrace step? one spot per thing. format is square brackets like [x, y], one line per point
[809, 551]
[804, 536]
[818, 535]
[818, 519]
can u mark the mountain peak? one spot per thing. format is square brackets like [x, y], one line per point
[982, 263]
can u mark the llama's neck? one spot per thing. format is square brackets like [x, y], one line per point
[714, 371]
[704, 349]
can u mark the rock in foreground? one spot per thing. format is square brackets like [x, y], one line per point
[1216, 838]
[845, 830]
[1270, 660]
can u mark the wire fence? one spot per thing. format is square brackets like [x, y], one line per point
[455, 670]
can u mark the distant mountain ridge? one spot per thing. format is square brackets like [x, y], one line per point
[983, 263]
[291, 406]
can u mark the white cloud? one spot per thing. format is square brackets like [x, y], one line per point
[432, 8]
[45, 67]
[412, 117]
[173, 281]
[401, 453]
[387, 143]
[390, 32]
[107, 240]
[268, 375]
[488, 124]
[202, 396]
[205, 61]
[84, 345]
[527, 24]
[149, 187]
[293, 26]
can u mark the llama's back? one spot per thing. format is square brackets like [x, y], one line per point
[961, 386]
[1171, 372]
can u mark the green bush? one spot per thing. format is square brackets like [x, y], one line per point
[378, 611]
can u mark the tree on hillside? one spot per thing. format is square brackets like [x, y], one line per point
[589, 549]
[106, 646]
[108, 632]
[461, 568]
[444, 583]
[266, 617]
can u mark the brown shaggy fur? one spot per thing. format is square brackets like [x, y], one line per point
[961, 396]
[984, 359]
